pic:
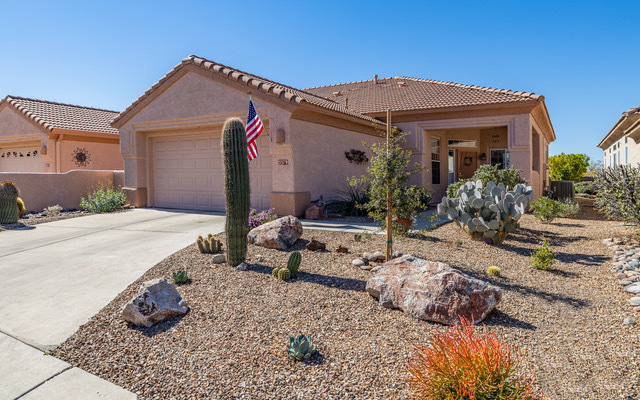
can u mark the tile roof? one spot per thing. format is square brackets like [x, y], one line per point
[407, 94]
[634, 110]
[254, 82]
[51, 115]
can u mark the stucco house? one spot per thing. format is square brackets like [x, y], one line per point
[620, 145]
[170, 135]
[44, 136]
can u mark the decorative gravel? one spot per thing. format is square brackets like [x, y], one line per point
[231, 345]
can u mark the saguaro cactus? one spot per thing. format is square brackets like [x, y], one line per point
[236, 188]
[8, 203]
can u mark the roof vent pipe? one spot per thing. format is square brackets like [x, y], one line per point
[375, 78]
[346, 102]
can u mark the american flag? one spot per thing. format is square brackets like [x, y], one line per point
[254, 128]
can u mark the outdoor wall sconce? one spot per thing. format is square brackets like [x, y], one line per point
[356, 156]
[483, 156]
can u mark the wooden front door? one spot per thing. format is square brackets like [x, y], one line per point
[467, 164]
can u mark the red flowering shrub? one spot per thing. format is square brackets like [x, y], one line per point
[465, 365]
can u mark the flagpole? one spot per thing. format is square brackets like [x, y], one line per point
[389, 210]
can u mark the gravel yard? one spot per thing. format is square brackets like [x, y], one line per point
[231, 344]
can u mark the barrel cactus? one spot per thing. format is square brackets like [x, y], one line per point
[487, 213]
[284, 274]
[236, 188]
[8, 203]
[294, 263]
[21, 208]
[210, 244]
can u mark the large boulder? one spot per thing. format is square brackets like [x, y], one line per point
[279, 234]
[157, 301]
[432, 291]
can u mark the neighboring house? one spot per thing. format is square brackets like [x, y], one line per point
[43, 136]
[170, 136]
[620, 144]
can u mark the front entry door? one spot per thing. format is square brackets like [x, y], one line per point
[467, 164]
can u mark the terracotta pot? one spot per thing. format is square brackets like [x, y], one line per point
[405, 223]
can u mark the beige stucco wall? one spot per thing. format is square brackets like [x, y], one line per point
[102, 156]
[621, 144]
[40, 190]
[319, 163]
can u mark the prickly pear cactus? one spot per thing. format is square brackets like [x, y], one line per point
[236, 188]
[8, 203]
[489, 213]
[294, 263]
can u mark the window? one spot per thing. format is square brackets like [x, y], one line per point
[451, 165]
[619, 159]
[500, 157]
[435, 161]
[614, 159]
[626, 154]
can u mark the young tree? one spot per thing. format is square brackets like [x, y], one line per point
[568, 167]
[391, 170]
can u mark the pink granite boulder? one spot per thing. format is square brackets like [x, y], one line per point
[432, 291]
[316, 211]
[279, 234]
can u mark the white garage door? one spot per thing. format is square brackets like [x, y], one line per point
[188, 173]
[21, 159]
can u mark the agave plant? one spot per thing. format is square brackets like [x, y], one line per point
[300, 348]
[179, 277]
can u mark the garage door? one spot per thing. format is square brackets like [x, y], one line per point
[21, 159]
[188, 173]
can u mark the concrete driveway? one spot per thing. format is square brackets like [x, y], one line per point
[56, 276]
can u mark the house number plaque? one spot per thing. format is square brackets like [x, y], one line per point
[283, 162]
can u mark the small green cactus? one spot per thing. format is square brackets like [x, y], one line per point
[209, 245]
[275, 272]
[284, 274]
[179, 277]
[493, 271]
[294, 263]
[300, 348]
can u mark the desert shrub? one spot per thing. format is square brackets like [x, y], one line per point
[103, 199]
[618, 193]
[258, 218]
[569, 209]
[586, 187]
[459, 363]
[546, 209]
[350, 200]
[543, 257]
[493, 271]
[52, 210]
[509, 177]
[568, 167]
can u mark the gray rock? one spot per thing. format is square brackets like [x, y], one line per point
[629, 321]
[620, 276]
[157, 301]
[634, 301]
[218, 259]
[432, 291]
[258, 258]
[380, 256]
[368, 256]
[397, 254]
[366, 267]
[242, 267]
[358, 262]
[634, 288]
[625, 282]
[376, 269]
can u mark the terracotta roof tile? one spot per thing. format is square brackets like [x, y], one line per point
[287, 93]
[406, 94]
[634, 110]
[51, 115]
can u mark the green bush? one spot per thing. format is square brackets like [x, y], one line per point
[568, 167]
[618, 193]
[103, 199]
[486, 173]
[350, 200]
[586, 187]
[543, 257]
[569, 209]
[546, 209]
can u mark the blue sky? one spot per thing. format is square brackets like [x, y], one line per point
[581, 56]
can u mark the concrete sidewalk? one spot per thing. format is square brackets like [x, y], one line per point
[58, 275]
